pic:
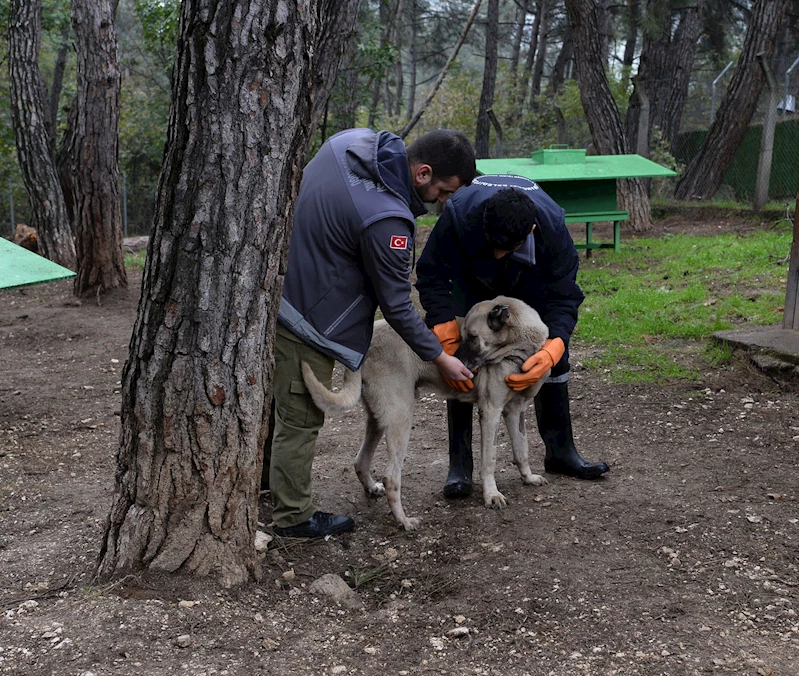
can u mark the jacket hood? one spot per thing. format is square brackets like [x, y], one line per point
[381, 158]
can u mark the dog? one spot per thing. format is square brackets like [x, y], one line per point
[497, 337]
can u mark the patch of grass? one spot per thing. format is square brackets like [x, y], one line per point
[650, 308]
[135, 261]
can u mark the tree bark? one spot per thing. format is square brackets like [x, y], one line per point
[706, 171]
[663, 72]
[601, 111]
[398, 77]
[94, 154]
[668, 116]
[412, 65]
[633, 20]
[565, 55]
[542, 39]
[58, 82]
[518, 33]
[251, 78]
[31, 114]
[489, 81]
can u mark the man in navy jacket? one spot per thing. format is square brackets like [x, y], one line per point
[350, 253]
[503, 235]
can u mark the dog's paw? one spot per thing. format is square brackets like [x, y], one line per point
[377, 491]
[534, 480]
[496, 501]
[411, 523]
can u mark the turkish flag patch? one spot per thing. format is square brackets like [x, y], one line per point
[399, 242]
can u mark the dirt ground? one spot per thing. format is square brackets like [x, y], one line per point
[683, 560]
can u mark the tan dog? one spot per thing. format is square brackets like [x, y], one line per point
[497, 335]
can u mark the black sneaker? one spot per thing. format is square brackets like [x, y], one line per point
[319, 525]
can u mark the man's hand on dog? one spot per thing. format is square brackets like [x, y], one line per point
[536, 366]
[450, 338]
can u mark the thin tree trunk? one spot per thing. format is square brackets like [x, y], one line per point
[412, 61]
[418, 115]
[558, 75]
[398, 74]
[58, 82]
[633, 18]
[94, 155]
[523, 83]
[489, 81]
[518, 33]
[706, 171]
[542, 38]
[197, 385]
[600, 108]
[30, 115]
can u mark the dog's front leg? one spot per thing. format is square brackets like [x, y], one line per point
[489, 422]
[517, 431]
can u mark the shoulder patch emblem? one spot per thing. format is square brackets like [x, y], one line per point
[399, 242]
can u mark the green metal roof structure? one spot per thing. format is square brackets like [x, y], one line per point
[19, 267]
[567, 164]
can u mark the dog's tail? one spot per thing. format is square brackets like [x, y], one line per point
[334, 403]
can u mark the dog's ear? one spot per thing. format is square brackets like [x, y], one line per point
[498, 317]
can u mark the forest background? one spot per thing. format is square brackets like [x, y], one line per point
[510, 88]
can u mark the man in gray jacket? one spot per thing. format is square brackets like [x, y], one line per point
[350, 253]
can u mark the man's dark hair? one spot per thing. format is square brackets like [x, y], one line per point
[448, 152]
[508, 218]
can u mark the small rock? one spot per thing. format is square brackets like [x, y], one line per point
[289, 574]
[262, 541]
[458, 632]
[337, 590]
[186, 604]
[270, 644]
[459, 619]
[338, 669]
[183, 641]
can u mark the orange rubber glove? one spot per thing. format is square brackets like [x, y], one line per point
[449, 336]
[537, 365]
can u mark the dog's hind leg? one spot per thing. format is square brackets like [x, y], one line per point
[363, 461]
[398, 434]
[489, 422]
[517, 431]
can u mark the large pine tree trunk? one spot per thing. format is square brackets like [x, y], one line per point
[93, 156]
[668, 116]
[706, 171]
[600, 108]
[31, 116]
[249, 79]
[489, 81]
[664, 71]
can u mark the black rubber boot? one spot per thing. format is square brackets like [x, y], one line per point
[555, 427]
[459, 424]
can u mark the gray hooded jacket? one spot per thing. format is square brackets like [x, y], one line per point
[350, 253]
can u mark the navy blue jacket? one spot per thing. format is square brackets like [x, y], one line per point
[457, 267]
[351, 244]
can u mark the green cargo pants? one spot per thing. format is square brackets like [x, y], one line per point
[294, 426]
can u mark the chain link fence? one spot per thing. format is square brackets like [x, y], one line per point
[773, 130]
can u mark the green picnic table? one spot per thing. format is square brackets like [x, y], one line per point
[19, 267]
[584, 185]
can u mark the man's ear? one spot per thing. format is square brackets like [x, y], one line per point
[422, 174]
[498, 317]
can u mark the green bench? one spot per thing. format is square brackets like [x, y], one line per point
[584, 185]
